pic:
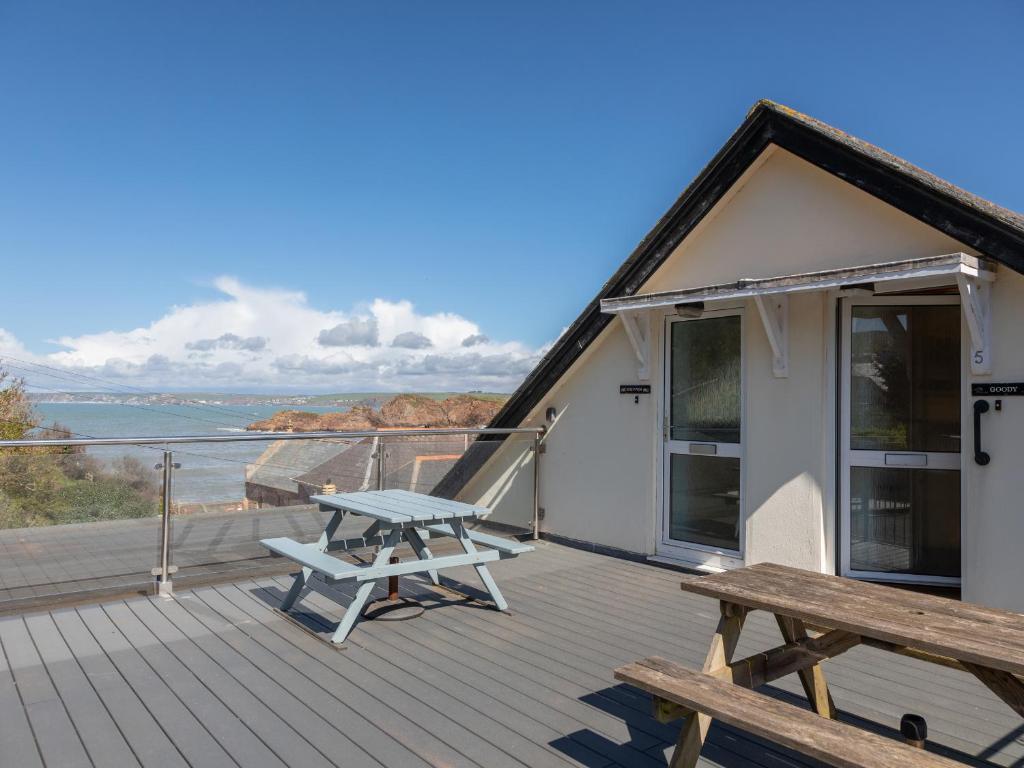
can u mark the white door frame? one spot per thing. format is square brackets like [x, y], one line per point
[877, 458]
[699, 556]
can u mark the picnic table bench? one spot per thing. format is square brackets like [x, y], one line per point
[397, 516]
[985, 642]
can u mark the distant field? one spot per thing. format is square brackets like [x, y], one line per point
[328, 399]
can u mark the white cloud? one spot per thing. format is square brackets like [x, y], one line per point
[359, 331]
[269, 339]
[411, 340]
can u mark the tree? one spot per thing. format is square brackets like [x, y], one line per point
[16, 414]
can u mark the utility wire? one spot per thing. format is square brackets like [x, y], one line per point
[113, 386]
[127, 405]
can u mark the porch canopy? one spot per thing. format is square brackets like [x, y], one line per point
[970, 274]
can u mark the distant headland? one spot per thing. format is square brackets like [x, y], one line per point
[429, 411]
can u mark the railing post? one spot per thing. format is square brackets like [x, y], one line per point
[380, 464]
[165, 586]
[536, 486]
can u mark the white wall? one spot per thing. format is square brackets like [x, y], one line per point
[599, 476]
[597, 469]
[993, 536]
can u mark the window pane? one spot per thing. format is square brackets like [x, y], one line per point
[705, 500]
[905, 521]
[705, 397]
[905, 378]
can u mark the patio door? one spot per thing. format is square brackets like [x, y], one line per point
[900, 439]
[701, 519]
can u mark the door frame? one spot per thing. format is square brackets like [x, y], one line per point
[843, 435]
[699, 556]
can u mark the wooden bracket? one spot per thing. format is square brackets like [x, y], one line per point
[638, 329]
[774, 311]
[665, 711]
[975, 296]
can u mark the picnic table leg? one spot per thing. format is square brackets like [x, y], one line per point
[355, 609]
[723, 646]
[812, 678]
[303, 576]
[422, 551]
[481, 568]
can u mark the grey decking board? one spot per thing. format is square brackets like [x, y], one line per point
[761, 633]
[387, 750]
[307, 723]
[103, 740]
[188, 733]
[231, 731]
[442, 633]
[272, 729]
[149, 742]
[477, 747]
[617, 700]
[694, 650]
[576, 613]
[769, 634]
[582, 729]
[17, 738]
[871, 707]
[56, 735]
[301, 651]
[433, 667]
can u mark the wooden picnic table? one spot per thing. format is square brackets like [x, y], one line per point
[842, 614]
[397, 516]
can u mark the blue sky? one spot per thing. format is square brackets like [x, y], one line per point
[491, 161]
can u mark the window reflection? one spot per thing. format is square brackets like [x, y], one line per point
[705, 380]
[905, 378]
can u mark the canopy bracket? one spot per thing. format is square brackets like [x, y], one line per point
[774, 311]
[975, 296]
[638, 329]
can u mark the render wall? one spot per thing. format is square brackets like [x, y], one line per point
[601, 473]
[993, 537]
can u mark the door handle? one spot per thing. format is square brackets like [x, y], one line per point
[980, 457]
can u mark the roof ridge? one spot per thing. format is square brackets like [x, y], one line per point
[1008, 215]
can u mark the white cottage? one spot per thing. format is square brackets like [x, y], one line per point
[811, 360]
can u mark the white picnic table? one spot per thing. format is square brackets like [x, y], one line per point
[396, 516]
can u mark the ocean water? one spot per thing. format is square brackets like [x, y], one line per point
[212, 472]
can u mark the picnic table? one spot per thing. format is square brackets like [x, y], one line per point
[396, 516]
[842, 614]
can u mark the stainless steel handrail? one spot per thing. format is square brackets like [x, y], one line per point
[235, 438]
[164, 569]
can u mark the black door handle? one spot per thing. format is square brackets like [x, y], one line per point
[980, 457]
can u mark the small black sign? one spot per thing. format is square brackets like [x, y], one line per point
[993, 390]
[634, 389]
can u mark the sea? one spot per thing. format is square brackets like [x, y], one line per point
[210, 473]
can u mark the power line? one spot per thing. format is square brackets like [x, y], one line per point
[127, 405]
[113, 386]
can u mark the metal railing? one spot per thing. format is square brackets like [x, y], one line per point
[164, 569]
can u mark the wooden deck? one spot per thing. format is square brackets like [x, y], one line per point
[217, 677]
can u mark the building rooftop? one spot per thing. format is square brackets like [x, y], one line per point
[217, 676]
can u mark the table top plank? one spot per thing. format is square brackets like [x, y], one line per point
[455, 508]
[985, 636]
[359, 508]
[386, 502]
[397, 507]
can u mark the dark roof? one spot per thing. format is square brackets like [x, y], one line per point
[992, 230]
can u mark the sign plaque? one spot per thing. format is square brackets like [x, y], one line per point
[998, 390]
[634, 389]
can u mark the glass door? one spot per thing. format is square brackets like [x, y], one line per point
[702, 519]
[900, 416]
